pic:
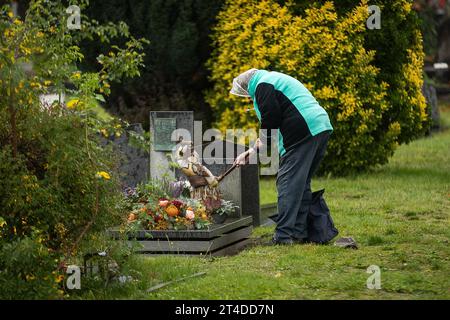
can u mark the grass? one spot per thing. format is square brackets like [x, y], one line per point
[399, 215]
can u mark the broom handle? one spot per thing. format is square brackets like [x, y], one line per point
[234, 166]
[226, 173]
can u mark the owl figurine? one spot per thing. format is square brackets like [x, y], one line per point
[189, 161]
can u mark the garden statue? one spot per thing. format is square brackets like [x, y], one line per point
[203, 182]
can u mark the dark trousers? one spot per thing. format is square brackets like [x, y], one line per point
[297, 167]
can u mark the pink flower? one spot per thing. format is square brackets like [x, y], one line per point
[163, 203]
[190, 214]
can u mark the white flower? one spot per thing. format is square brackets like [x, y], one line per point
[190, 214]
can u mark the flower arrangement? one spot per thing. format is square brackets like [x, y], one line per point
[159, 205]
[169, 214]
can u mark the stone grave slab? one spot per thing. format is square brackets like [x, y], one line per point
[218, 239]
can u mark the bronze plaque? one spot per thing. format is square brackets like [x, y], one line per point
[163, 128]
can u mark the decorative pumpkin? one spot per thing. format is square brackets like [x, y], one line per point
[172, 211]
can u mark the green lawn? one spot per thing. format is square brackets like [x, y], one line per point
[399, 215]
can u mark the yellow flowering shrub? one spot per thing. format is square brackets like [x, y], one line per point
[326, 52]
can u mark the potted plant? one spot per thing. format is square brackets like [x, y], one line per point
[226, 208]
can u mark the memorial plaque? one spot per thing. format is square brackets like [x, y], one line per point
[163, 133]
[162, 125]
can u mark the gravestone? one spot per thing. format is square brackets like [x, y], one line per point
[162, 127]
[135, 167]
[242, 185]
[429, 92]
[133, 163]
[47, 100]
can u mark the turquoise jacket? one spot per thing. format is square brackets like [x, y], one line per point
[282, 102]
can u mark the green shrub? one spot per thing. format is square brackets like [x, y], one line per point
[53, 185]
[372, 109]
[58, 183]
[399, 56]
[27, 271]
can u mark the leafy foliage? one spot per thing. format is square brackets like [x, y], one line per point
[175, 76]
[28, 271]
[57, 183]
[399, 55]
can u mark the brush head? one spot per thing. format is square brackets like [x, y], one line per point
[197, 181]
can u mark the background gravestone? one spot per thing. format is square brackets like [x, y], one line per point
[134, 164]
[162, 124]
[242, 185]
[429, 92]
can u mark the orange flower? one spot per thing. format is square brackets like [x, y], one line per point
[172, 211]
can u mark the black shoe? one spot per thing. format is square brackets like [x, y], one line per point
[346, 243]
[300, 241]
[279, 242]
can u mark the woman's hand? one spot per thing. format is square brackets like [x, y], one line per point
[243, 158]
[258, 144]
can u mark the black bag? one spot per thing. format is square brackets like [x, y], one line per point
[321, 228]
